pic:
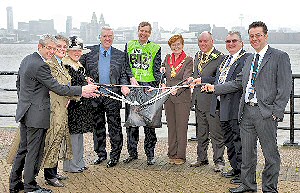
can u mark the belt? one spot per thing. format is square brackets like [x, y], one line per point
[252, 104]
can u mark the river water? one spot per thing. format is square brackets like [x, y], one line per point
[12, 54]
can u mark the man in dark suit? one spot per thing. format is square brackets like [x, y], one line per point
[105, 65]
[206, 63]
[33, 112]
[266, 82]
[228, 104]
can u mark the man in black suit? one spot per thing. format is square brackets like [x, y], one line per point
[266, 82]
[33, 112]
[105, 65]
[228, 104]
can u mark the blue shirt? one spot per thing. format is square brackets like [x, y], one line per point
[104, 66]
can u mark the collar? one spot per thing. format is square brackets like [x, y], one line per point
[210, 51]
[102, 50]
[42, 57]
[58, 59]
[234, 56]
[262, 52]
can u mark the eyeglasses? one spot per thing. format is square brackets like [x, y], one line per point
[50, 48]
[177, 45]
[258, 35]
[233, 41]
[61, 47]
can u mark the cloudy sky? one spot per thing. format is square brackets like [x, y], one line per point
[168, 13]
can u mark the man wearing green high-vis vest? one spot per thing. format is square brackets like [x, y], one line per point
[144, 62]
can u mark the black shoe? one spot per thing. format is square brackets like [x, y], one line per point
[99, 160]
[241, 189]
[18, 188]
[236, 180]
[230, 174]
[61, 177]
[112, 163]
[150, 161]
[84, 168]
[198, 164]
[54, 182]
[129, 159]
[41, 190]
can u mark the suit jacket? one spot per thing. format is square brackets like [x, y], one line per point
[183, 94]
[273, 84]
[90, 62]
[208, 74]
[33, 84]
[229, 103]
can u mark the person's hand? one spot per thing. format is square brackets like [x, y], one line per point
[194, 82]
[208, 88]
[162, 69]
[133, 81]
[89, 80]
[125, 90]
[174, 91]
[89, 91]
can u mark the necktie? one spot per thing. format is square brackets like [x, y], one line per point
[224, 71]
[254, 73]
[104, 53]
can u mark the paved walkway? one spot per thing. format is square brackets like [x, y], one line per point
[137, 177]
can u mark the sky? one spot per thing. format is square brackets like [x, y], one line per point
[168, 13]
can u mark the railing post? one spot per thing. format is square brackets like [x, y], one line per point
[291, 142]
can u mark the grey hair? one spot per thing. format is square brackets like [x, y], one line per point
[47, 38]
[106, 28]
[206, 32]
[63, 38]
[236, 33]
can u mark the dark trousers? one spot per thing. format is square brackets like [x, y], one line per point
[50, 173]
[209, 128]
[133, 139]
[232, 140]
[254, 127]
[110, 108]
[29, 157]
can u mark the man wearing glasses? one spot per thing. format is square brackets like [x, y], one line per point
[33, 112]
[266, 81]
[228, 104]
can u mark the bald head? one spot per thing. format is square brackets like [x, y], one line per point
[205, 41]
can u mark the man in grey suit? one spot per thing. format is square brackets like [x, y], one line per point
[228, 104]
[206, 63]
[266, 81]
[33, 112]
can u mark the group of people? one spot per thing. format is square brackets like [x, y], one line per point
[238, 99]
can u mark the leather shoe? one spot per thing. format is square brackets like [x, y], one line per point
[99, 160]
[198, 164]
[18, 188]
[42, 190]
[241, 189]
[150, 161]
[112, 163]
[230, 174]
[61, 177]
[84, 168]
[54, 182]
[236, 180]
[129, 159]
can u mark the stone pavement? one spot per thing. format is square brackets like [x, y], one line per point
[137, 177]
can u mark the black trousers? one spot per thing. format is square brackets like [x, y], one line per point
[110, 108]
[28, 158]
[50, 173]
[133, 139]
[232, 140]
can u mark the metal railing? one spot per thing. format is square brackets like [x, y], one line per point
[291, 112]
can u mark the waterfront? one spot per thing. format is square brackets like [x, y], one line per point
[12, 54]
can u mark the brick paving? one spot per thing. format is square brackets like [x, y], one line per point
[137, 177]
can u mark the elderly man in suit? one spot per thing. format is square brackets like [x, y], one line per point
[266, 82]
[33, 112]
[206, 63]
[228, 104]
[105, 65]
